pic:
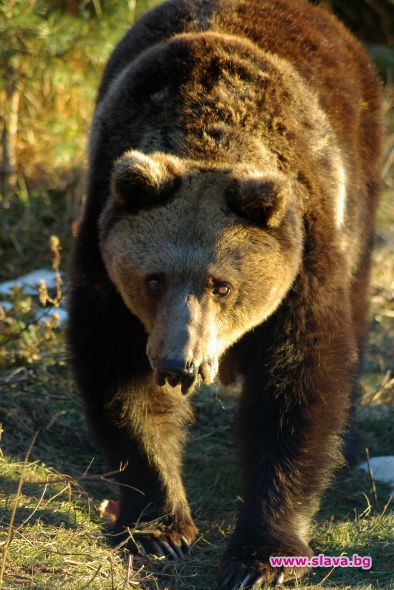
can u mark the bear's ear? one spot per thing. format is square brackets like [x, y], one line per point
[140, 181]
[261, 198]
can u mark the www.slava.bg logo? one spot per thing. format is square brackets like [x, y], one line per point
[322, 560]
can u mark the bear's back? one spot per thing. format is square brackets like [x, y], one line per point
[326, 55]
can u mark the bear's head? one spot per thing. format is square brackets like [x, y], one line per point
[201, 254]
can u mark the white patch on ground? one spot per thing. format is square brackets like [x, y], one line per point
[382, 469]
[29, 283]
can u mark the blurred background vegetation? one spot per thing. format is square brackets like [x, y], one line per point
[52, 55]
[372, 21]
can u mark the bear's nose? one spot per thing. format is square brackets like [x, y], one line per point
[176, 371]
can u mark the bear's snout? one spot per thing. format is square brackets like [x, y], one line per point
[175, 372]
[182, 344]
[179, 372]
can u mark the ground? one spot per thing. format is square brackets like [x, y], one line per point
[52, 482]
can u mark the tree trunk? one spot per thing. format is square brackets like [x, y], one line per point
[9, 133]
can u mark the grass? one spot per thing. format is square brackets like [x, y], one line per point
[51, 484]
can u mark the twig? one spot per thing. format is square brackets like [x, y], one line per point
[67, 487]
[68, 553]
[326, 576]
[14, 373]
[88, 467]
[94, 576]
[83, 478]
[111, 567]
[54, 418]
[35, 509]
[13, 513]
[375, 495]
[127, 580]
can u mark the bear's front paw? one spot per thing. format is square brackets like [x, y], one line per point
[164, 541]
[248, 567]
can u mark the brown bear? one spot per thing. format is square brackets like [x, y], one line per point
[233, 181]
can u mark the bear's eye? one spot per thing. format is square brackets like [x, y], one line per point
[221, 290]
[154, 284]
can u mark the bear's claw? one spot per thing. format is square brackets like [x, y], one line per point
[158, 549]
[239, 581]
[146, 545]
[251, 574]
[171, 551]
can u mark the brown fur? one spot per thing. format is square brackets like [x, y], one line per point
[191, 253]
[235, 145]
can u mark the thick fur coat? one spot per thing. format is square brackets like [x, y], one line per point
[233, 182]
